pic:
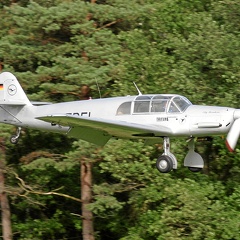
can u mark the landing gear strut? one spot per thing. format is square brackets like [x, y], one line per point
[14, 138]
[166, 162]
[193, 160]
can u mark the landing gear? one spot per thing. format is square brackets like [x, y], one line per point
[14, 138]
[193, 160]
[194, 169]
[166, 162]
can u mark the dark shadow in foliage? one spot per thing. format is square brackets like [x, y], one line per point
[52, 212]
[33, 140]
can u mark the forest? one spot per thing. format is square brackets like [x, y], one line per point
[186, 47]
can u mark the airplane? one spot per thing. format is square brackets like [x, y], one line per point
[151, 117]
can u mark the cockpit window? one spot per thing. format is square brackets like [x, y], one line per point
[124, 108]
[155, 104]
[142, 104]
[160, 103]
[159, 106]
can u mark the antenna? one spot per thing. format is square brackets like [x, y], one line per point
[139, 92]
[98, 89]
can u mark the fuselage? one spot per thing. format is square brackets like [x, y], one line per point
[174, 112]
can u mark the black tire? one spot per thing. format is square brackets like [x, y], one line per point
[14, 139]
[194, 169]
[164, 164]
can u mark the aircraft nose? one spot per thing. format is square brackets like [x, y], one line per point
[234, 132]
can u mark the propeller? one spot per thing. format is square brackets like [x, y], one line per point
[234, 132]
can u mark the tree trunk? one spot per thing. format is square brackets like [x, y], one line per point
[86, 197]
[5, 209]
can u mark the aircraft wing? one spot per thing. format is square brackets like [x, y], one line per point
[99, 131]
[36, 103]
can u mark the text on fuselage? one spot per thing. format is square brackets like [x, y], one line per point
[162, 119]
[80, 114]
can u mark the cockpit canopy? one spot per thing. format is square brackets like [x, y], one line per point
[154, 104]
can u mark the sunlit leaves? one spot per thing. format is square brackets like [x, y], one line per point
[185, 47]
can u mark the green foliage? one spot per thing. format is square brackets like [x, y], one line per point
[39, 228]
[185, 47]
[86, 50]
[162, 206]
[42, 209]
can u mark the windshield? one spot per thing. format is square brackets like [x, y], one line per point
[178, 104]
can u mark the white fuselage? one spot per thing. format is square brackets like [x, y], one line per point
[195, 120]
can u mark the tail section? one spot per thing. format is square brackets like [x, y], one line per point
[11, 92]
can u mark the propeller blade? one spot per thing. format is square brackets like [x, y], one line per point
[233, 135]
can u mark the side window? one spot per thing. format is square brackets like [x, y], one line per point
[124, 108]
[141, 106]
[159, 106]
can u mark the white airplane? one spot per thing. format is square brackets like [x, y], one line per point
[151, 117]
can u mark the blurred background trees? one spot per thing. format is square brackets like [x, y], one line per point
[185, 47]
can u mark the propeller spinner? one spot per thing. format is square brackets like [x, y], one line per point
[234, 132]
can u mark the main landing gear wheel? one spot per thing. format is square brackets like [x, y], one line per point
[14, 138]
[164, 164]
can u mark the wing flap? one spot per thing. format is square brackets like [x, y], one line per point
[91, 135]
